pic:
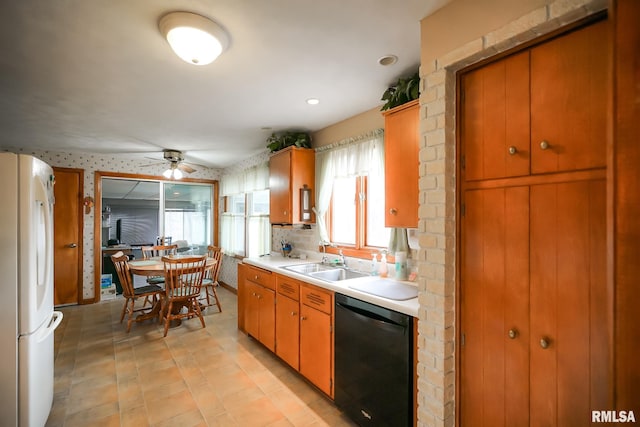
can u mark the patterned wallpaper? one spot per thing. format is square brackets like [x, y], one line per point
[91, 162]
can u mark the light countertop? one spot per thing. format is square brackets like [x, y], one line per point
[275, 263]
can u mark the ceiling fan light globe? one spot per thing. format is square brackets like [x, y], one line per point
[167, 174]
[177, 174]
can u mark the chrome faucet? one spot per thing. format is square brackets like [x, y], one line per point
[343, 260]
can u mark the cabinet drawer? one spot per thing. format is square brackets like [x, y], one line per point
[317, 298]
[260, 276]
[288, 286]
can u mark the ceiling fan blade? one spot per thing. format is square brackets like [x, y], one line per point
[185, 168]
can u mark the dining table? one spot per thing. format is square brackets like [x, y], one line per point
[154, 266]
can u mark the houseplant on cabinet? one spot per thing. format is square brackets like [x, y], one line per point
[277, 142]
[405, 90]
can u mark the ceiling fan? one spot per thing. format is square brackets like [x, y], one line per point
[177, 166]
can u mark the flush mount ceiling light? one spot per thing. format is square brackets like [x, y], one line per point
[194, 38]
[313, 101]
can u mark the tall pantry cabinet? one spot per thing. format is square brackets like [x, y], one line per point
[534, 343]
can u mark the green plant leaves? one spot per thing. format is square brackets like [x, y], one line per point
[405, 90]
[286, 139]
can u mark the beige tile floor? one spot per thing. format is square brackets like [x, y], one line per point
[216, 376]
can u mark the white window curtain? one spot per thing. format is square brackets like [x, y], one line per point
[359, 156]
[251, 179]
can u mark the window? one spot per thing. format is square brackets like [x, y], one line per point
[350, 203]
[187, 213]
[233, 219]
[137, 211]
[245, 228]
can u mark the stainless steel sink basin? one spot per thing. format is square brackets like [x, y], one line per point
[308, 268]
[337, 274]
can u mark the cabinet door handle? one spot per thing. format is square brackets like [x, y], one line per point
[256, 278]
[544, 342]
[303, 318]
[293, 313]
[544, 145]
[513, 333]
[393, 211]
[513, 150]
[72, 245]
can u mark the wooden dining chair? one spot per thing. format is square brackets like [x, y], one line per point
[210, 281]
[183, 283]
[157, 251]
[130, 293]
[163, 240]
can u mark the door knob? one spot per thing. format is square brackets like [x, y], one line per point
[513, 333]
[72, 245]
[544, 145]
[544, 342]
[513, 150]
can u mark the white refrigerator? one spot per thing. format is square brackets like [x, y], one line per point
[27, 318]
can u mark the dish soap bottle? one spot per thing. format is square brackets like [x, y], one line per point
[374, 265]
[401, 265]
[384, 271]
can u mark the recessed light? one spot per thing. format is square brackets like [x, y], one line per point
[387, 60]
[313, 101]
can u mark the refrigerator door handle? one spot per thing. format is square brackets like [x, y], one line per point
[56, 318]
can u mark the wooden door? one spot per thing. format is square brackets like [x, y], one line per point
[267, 316]
[252, 309]
[67, 241]
[535, 348]
[495, 119]
[401, 165]
[288, 330]
[569, 338]
[315, 347]
[495, 308]
[280, 187]
[569, 101]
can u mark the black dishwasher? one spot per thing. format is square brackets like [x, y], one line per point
[373, 363]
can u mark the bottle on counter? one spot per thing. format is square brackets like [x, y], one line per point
[401, 265]
[383, 270]
[374, 265]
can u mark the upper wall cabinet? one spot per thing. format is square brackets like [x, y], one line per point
[291, 182]
[401, 164]
[539, 111]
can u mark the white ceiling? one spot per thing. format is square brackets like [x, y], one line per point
[97, 76]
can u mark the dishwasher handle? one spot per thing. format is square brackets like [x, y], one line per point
[371, 311]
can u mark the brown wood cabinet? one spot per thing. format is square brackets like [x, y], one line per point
[259, 305]
[288, 320]
[534, 337]
[316, 336]
[401, 165]
[291, 170]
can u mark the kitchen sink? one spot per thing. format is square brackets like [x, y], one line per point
[329, 273]
[308, 268]
[337, 274]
